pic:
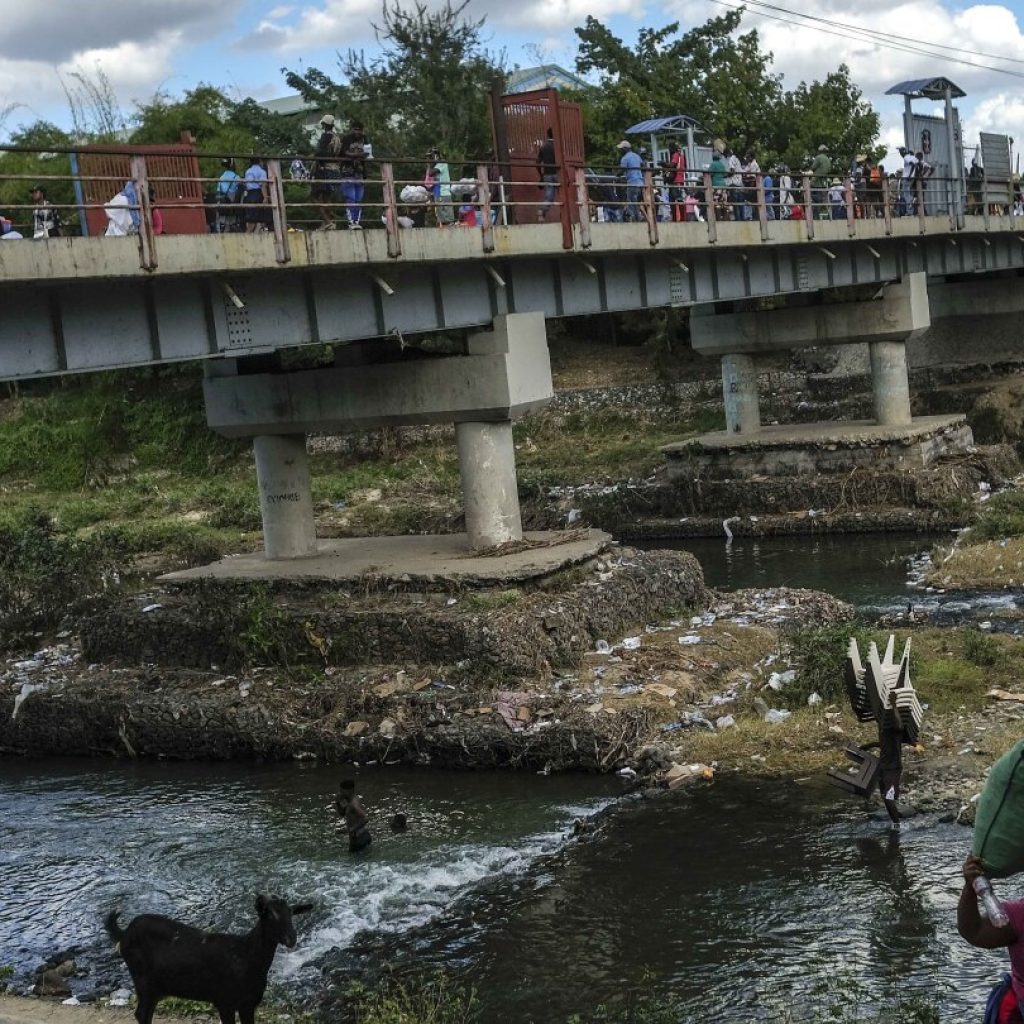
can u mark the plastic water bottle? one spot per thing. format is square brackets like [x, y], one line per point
[993, 908]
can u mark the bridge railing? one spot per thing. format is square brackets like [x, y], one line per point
[399, 195]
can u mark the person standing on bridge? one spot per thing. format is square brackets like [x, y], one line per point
[353, 173]
[45, 219]
[632, 171]
[257, 194]
[326, 187]
[547, 168]
[821, 169]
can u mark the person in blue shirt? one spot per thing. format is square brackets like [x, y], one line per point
[632, 170]
[770, 197]
[257, 213]
[228, 192]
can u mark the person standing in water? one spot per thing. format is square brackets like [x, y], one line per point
[351, 811]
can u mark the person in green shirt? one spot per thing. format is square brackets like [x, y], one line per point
[719, 177]
[821, 168]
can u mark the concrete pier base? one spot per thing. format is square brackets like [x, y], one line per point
[890, 383]
[286, 500]
[817, 449]
[487, 466]
[739, 388]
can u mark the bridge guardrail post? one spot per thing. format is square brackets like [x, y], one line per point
[391, 225]
[886, 205]
[275, 186]
[583, 206]
[709, 206]
[851, 226]
[762, 208]
[808, 206]
[650, 208]
[147, 245]
[919, 196]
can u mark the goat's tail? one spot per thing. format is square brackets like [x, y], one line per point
[114, 930]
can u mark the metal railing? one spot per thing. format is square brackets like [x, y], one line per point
[394, 201]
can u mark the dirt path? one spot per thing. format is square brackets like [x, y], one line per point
[16, 1010]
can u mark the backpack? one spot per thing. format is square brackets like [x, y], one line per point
[995, 1000]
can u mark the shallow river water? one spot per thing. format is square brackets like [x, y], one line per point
[734, 896]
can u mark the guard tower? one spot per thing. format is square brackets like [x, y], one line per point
[938, 138]
[684, 129]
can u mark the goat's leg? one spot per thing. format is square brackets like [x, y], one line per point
[145, 1005]
[227, 1014]
[247, 1014]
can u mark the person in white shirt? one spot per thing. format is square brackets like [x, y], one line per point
[907, 182]
[119, 216]
[785, 192]
[8, 233]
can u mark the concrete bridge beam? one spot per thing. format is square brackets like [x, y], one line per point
[286, 499]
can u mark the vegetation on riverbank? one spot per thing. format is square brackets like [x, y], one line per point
[990, 554]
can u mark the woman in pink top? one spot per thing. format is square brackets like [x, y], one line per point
[978, 931]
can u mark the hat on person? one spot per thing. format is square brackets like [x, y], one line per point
[327, 119]
[822, 148]
[860, 157]
[624, 145]
[39, 188]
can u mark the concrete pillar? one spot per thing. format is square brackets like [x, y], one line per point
[286, 499]
[739, 386]
[487, 466]
[890, 383]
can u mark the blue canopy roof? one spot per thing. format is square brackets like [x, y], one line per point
[675, 123]
[926, 88]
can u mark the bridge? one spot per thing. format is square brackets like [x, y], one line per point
[80, 304]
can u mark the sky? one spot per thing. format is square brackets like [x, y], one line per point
[146, 47]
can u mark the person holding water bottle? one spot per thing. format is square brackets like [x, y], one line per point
[1003, 926]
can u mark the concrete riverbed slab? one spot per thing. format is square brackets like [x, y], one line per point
[416, 560]
[813, 448]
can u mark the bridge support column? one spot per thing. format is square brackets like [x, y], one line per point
[490, 495]
[890, 383]
[739, 386]
[286, 498]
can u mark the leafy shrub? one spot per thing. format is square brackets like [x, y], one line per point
[45, 576]
[981, 648]
[1002, 516]
[820, 656]
[436, 1000]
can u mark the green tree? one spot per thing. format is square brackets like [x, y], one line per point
[427, 88]
[710, 73]
[20, 171]
[724, 79]
[833, 113]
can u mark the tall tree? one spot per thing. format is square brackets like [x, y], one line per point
[724, 79]
[427, 88]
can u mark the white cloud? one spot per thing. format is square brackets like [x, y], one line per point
[344, 23]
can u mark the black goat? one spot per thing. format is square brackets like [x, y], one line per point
[167, 958]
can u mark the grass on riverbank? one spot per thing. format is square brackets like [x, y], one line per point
[989, 555]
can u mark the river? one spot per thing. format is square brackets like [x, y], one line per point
[738, 900]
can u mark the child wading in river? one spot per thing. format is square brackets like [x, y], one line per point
[351, 810]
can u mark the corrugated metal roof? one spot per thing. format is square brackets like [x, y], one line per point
[926, 88]
[544, 76]
[677, 122]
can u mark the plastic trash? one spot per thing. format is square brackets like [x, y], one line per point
[119, 997]
[724, 722]
[689, 639]
[151, 608]
[777, 680]
[631, 643]
[573, 516]
[777, 715]
[627, 772]
[994, 910]
[814, 698]
[602, 647]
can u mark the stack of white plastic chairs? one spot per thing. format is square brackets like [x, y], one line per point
[882, 690]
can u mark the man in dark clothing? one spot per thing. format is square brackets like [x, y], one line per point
[890, 768]
[355, 817]
[353, 171]
[547, 168]
[325, 189]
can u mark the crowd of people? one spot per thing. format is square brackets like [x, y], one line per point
[734, 185]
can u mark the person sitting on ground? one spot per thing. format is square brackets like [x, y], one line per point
[980, 932]
[355, 817]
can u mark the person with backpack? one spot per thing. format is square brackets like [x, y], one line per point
[353, 172]
[1006, 1001]
[326, 186]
